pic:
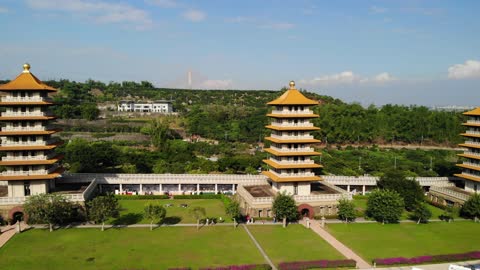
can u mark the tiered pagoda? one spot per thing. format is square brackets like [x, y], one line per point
[471, 165]
[30, 162]
[291, 168]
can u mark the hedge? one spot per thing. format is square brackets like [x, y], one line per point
[201, 196]
[142, 197]
[240, 267]
[429, 258]
[302, 265]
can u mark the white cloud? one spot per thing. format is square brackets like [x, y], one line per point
[164, 3]
[216, 84]
[348, 77]
[470, 69]
[101, 12]
[240, 19]
[377, 10]
[278, 26]
[4, 10]
[194, 15]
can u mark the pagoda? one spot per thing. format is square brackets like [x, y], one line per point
[291, 168]
[30, 162]
[471, 165]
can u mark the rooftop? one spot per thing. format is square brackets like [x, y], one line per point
[26, 81]
[260, 191]
[293, 97]
[474, 112]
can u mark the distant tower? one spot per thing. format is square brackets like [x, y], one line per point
[291, 168]
[189, 79]
[31, 164]
[471, 165]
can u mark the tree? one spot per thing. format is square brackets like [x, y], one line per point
[385, 206]
[421, 213]
[102, 208]
[89, 111]
[471, 208]
[154, 212]
[198, 213]
[409, 190]
[233, 210]
[284, 207]
[48, 208]
[346, 210]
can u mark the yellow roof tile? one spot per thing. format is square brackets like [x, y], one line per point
[26, 81]
[293, 97]
[475, 112]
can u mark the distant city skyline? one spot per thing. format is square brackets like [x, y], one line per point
[372, 52]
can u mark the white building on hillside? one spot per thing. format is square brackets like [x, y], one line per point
[159, 106]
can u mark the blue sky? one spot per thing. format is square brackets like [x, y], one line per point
[373, 52]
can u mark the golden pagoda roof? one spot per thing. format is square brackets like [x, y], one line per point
[468, 177]
[474, 112]
[467, 166]
[293, 97]
[35, 132]
[468, 145]
[469, 156]
[26, 81]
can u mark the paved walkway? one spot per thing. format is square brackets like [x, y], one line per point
[8, 232]
[344, 250]
[259, 248]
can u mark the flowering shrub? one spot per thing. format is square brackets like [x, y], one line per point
[301, 265]
[180, 268]
[240, 267]
[429, 258]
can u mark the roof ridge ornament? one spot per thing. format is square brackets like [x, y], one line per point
[292, 85]
[26, 68]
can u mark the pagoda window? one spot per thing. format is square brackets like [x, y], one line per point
[22, 94]
[15, 94]
[23, 109]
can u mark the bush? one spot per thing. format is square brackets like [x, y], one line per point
[142, 197]
[385, 206]
[301, 265]
[429, 259]
[201, 196]
[240, 267]
[180, 268]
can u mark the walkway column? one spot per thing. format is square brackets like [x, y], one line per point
[216, 188]
[233, 188]
[348, 188]
[198, 188]
[179, 187]
[121, 188]
[160, 188]
[141, 189]
[363, 190]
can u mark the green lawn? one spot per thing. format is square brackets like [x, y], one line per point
[294, 243]
[374, 240]
[132, 248]
[132, 210]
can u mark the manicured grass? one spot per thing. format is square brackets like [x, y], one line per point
[374, 240]
[128, 248]
[294, 243]
[132, 210]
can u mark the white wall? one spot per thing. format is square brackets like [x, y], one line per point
[470, 186]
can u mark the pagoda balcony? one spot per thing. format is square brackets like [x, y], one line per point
[27, 158]
[305, 174]
[31, 172]
[280, 124]
[25, 114]
[472, 132]
[472, 142]
[473, 122]
[25, 99]
[298, 137]
[28, 128]
[287, 112]
[286, 150]
[292, 162]
[30, 143]
[471, 153]
[471, 164]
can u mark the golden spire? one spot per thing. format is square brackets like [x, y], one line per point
[26, 68]
[292, 85]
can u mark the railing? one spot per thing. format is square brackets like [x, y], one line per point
[27, 128]
[280, 124]
[471, 153]
[472, 142]
[292, 174]
[21, 158]
[34, 113]
[21, 200]
[286, 112]
[25, 99]
[253, 200]
[304, 149]
[284, 137]
[32, 143]
[471, 164]
[90, 189]
[450, 192]
[292, 162]
[372, 180]
[473, 132]
[322, 197]
[473, 121]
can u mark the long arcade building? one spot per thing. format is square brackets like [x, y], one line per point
[30, 161]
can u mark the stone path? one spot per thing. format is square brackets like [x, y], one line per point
[259, 248]
[344, 250]
[8, 232]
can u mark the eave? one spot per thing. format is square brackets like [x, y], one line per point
[17, 103]
[475, 168]
[291, 128]
[57, 173]
[279, 115]
[291, 166]
[468, 156]
[32, 162]
[19, 133]
[469, 145]
[26, 118]
[470, 135]
[468, 177]
[278, 179]
[31, 147]
[275, 140]
[284, 154]
[471, 124]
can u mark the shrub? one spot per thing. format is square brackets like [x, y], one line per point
[180, 268]
[429, 258]
[201, 196]
[141, 197]
[301, 265]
